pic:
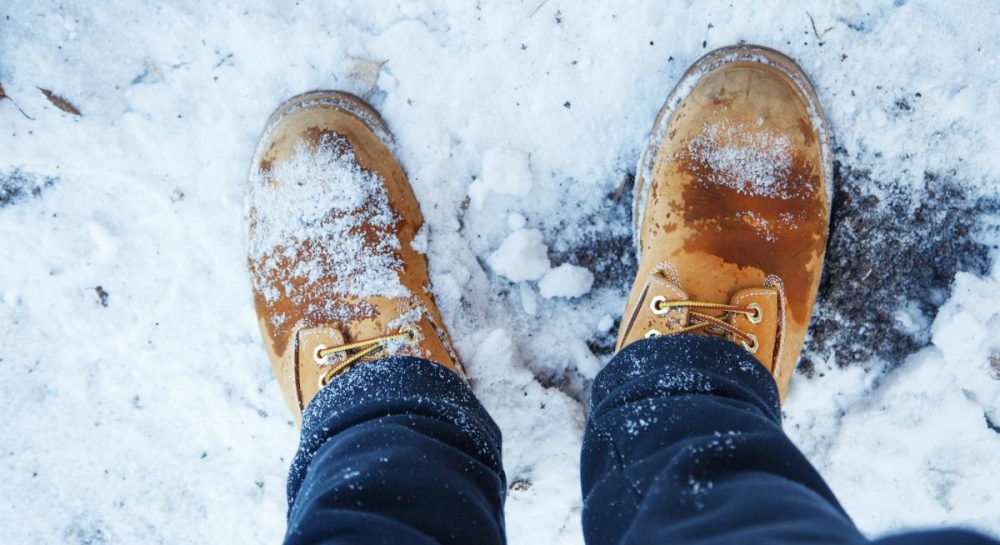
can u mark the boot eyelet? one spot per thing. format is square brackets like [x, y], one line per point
[653, 333]
[658, 305]
[316, 357]
[753, 346]
[758, 315]
[413, 333]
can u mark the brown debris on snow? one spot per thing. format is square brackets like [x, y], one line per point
[60, 102]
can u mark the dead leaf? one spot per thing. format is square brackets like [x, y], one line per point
[3, 95]
[627, 182]
[60, 102]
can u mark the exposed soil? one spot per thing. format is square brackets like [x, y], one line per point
[886, 253]
[17, 185]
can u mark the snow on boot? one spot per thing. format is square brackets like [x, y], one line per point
[732, 206]
[331, 221]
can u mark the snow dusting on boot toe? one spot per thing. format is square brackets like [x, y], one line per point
[747, 160]
[321, 204]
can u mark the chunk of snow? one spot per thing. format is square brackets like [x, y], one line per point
[911, 320]
[504, 172]
[566, 281]
[605, 324]
[522, 256]
[586, 362]
[419, 242]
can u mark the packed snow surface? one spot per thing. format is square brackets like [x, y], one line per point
[138, 404]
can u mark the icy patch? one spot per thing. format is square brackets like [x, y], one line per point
[522, 256]
[322, 200]
[566, 281]
[745, 159]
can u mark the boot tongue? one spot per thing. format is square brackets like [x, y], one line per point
[661, 285]
[646, 318]
[390, 317]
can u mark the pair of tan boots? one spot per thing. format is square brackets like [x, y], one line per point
[730, 216]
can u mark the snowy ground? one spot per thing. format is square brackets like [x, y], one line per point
[137, 403]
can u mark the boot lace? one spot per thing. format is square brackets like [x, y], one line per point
[699, 321]
[365, 350]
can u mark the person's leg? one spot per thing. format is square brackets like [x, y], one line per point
[397, 452]
[937, 537]
[684, 445]
[684, 442]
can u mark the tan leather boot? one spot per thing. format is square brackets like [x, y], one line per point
[331, 223]
[732, 208]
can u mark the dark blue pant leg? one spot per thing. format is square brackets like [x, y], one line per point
[684, 445]
[937, 537]
[397, 452]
